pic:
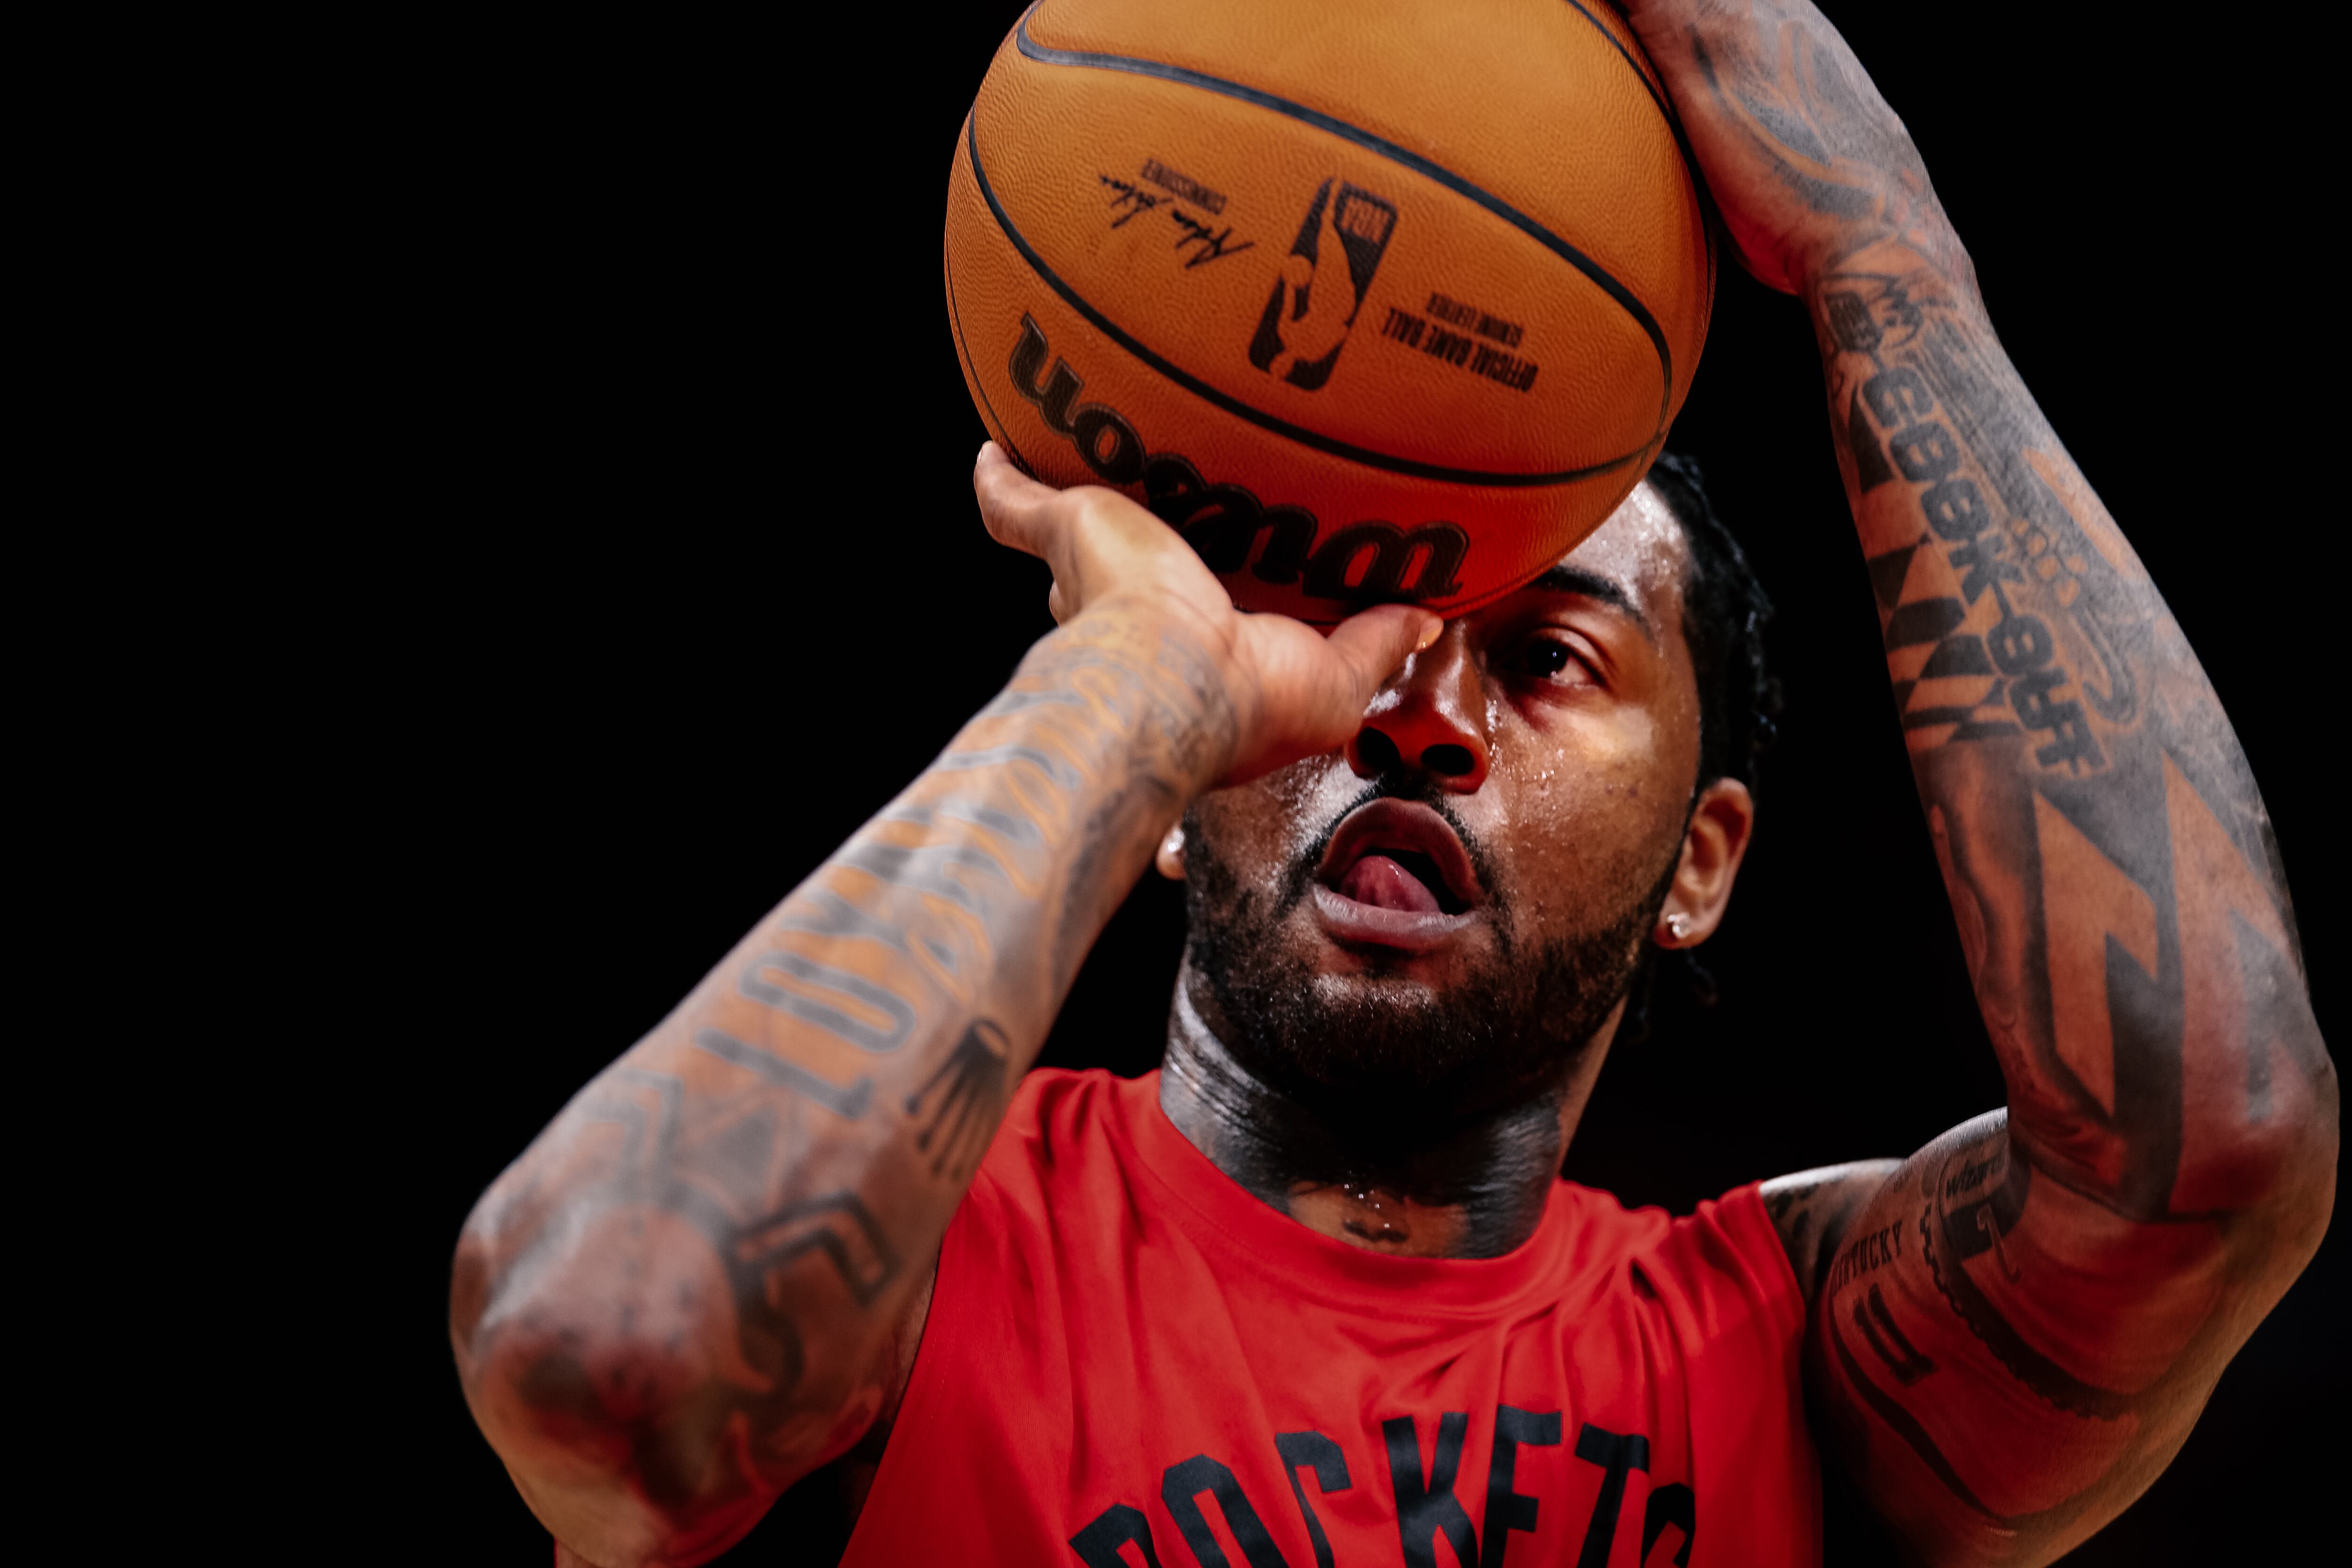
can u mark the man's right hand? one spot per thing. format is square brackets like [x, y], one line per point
[1292, 690]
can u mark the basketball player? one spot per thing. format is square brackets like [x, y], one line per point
[1313, 1291]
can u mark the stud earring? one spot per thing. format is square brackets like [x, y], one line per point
[1170, 856]
[1677, 926]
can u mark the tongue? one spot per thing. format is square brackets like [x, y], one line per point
[1380, 881]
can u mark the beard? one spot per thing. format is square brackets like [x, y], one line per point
[1384, 1048]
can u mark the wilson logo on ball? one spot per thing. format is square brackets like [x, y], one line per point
[1365, 563]
[1322, 284]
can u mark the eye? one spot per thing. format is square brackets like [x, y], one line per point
[1552, 660]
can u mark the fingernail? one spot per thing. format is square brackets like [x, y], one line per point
[1429, 634]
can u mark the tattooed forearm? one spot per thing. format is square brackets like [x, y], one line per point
[2019, 1327]
[2109, 861]
[677, 1296]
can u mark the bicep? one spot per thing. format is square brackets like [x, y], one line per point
[2003, 1362]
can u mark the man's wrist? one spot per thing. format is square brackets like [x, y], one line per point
[1928, 268]
[1179, 665]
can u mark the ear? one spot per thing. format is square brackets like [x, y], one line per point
[1170, 856]
[1713, 846]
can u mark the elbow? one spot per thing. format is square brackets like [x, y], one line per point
[607, 1381]
[2304, 1174]
[2271, 1157]
[603, 1443]
[647, 1413]
[572, 1409]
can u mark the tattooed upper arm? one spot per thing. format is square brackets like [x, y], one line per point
[1813, 1210]
[2003, 1362]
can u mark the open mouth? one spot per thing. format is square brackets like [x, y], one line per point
[1407, 879]
[1403, 857]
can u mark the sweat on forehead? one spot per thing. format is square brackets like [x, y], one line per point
[1641, 550]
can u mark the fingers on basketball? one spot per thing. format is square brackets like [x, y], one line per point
[1012, 504]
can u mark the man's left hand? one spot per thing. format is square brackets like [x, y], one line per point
[1804, 159]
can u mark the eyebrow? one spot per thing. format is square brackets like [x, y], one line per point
[1567, 579]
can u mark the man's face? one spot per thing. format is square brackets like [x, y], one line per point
[1440, 914]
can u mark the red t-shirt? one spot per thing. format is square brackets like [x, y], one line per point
[1131, 1360]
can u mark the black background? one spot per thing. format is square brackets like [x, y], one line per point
[675, 578]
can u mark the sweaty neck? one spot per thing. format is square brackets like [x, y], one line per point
[1469, 1187]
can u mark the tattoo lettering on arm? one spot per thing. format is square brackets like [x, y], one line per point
[2041, 1350]
[691, 1282]
[1813, 1210]
[2113, 871]
[1997, 1353]
[848, 1101]
[1873, 1249]
[2019, 1327]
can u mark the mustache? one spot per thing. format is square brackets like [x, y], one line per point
[1418, 789]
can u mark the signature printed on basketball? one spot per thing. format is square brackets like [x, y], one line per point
[1211, 245]
[1206, 243]
[1133, 199]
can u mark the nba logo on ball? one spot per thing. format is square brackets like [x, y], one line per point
[1322, 285]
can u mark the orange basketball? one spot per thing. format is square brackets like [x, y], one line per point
[1377, 301]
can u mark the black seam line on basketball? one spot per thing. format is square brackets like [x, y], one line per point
[1234, 406]
[1600, 275]
[1675, 128]
[1639, 74]
[999, 428]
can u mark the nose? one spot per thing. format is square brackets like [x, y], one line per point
[1431, 717]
